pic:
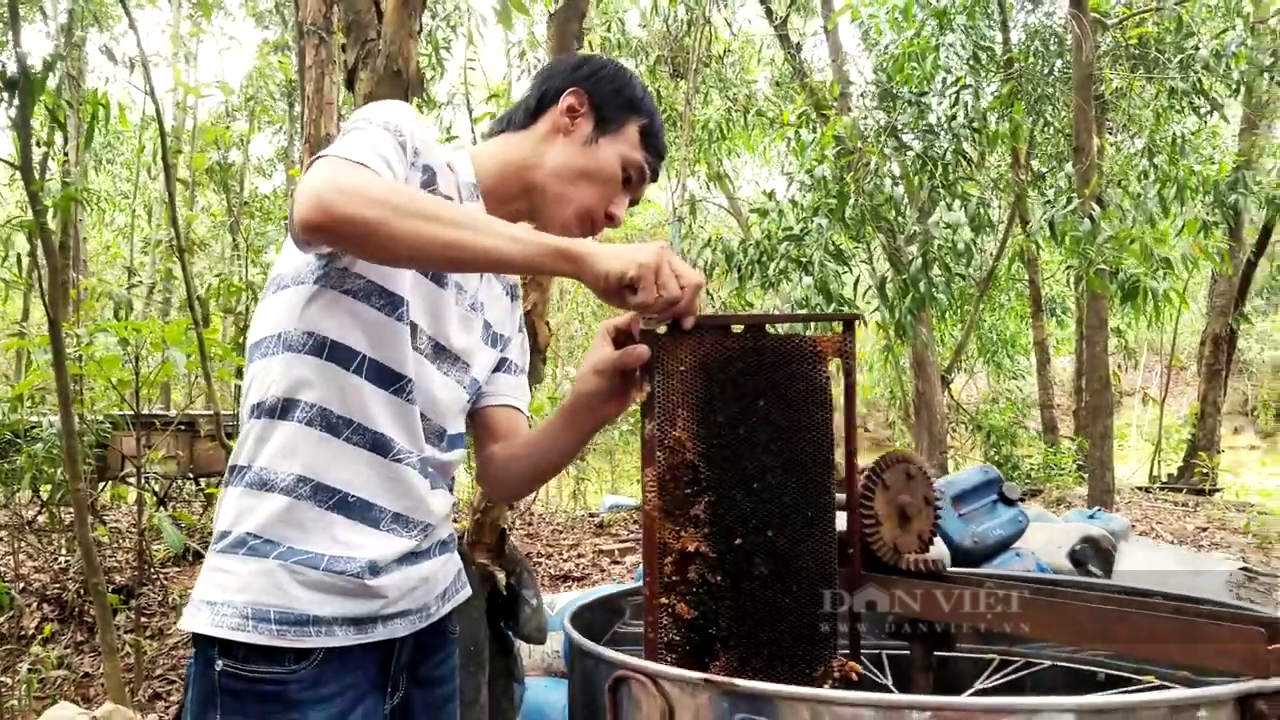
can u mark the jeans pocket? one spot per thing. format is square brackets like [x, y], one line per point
[264, 661]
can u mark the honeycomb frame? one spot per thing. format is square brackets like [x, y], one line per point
[738, 458]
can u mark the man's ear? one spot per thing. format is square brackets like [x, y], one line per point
[573, 111]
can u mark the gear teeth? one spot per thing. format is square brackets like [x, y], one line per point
[879, 533]
[920, 564]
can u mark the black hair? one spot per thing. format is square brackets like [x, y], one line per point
[615, 94]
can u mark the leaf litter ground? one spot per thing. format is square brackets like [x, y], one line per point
[48, 651]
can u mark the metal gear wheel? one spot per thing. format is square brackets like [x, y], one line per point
[898, 512]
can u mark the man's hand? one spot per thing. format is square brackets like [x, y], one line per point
[609, 377]
[647, 278]
[512, 461]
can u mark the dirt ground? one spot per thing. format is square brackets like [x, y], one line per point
[49, 654]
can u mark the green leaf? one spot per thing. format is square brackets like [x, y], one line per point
[503, 14]
[174, 540]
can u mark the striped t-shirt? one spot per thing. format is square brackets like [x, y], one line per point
[335, 522]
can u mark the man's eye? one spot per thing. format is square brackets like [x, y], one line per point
[627, 179]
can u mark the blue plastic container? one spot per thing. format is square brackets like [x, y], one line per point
[1018, 560]
[545, 698]
[618, 503]
[1117, 526]
[979, 516]
[640, 574]
[1037, 514]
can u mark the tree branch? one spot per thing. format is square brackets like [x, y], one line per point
[1110, 25]
[984, 285]
[179, 246]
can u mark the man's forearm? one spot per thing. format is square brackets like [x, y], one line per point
[341, 205]
[517, 468]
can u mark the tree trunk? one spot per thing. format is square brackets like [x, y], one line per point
[484, 658]
[1247, 272]
[1098, 412]
[740, 215]
[1199, 461]
[564, 37]
[73, 168]
[179, 243]
[1019, 165]
[381, 54]
[929, 419]
[56, 300]
[319, 77]
[1078, 421]
[928, 414]
[1040, 343]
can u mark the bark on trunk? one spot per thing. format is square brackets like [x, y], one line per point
[1260, 245]
[928, 410]
[487, 656]
[319, 77]
[57, 296]
[1019, 164]
[1097, 413]
[1078, 421]
[1199, 461]
[1040, 343]
[381, 53]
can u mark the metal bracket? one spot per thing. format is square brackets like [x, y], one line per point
[648, 704]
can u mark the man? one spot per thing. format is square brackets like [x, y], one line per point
[391, 325]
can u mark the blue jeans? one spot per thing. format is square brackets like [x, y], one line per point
[410, 678]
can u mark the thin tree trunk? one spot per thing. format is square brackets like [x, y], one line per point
[984, 285]
[1154, 472]
[739, 213]
[482, 655]
[320, 87]
[1200, 460]
[1019, 163]
[1078, 421]
[928, 421]
[179, 244]
[163, 274]
[31, 272]
[28, 268]
[929, 410]
[1040, 343]
[1260, 245]
[56, 296]
[1098, 411]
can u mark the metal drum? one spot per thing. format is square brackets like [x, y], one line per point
[994, 678]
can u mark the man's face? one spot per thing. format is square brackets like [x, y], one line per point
[589, 185]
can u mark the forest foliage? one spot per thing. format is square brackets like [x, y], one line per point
[1055, 216]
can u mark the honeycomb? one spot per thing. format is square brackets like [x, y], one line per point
[740, 542]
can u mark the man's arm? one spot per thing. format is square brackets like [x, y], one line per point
[355, 197]
[513, 461]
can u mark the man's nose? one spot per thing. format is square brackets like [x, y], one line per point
[617, 209]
